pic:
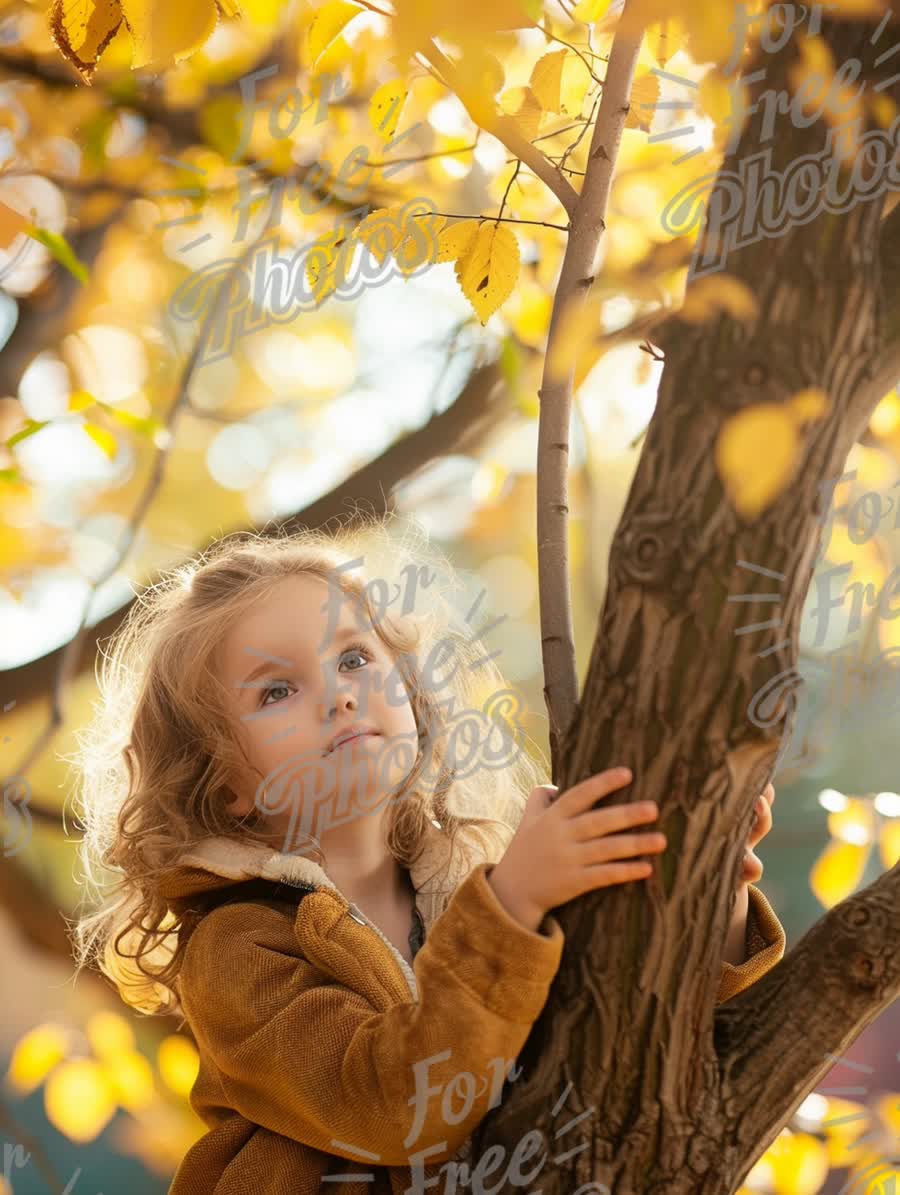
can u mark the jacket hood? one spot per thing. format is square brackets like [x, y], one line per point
[220, 861]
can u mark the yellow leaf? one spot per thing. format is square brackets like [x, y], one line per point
[707, 294]
[78, 1099]
[163, 31]
[755, 454]
[411, 239]
[883, 108]
[102, 438]
[529, 313]
[480, 76]
[418, 244]
[643, 101]
[82, 29]
[35, 1055]
[385, 107]
[559, 82]
[590, 10]
[709, 37]
[546, 79]
[661, 40]
[323, 257]
[854, 823]
[80, 400]
[178, 1063]
[130, 1077]
[889, 843]
[809, 404]
[798, 1162]
[524, 107]
[325, 26]
[109, 1034]
[720, 98]
[838, 872]
[454, 242]
[379, 232]
[488, 272]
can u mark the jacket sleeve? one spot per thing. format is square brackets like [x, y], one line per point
[313, 1060]
[765, 947]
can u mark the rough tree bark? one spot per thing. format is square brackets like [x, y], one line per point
[673, 1094]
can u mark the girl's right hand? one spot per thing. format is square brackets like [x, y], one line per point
[563, 847]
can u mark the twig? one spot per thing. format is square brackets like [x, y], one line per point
[502, 219]
[508, 185]
[504, 128]
[554, 37]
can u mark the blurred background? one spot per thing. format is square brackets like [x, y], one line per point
[123, 456]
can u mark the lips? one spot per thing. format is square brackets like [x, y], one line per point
[348, 736]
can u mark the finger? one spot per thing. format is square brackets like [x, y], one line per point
[539, 799]
[762, 822]
[596, 823]
[769, 793]
[752, 868]
[623, 846]
[587, 792]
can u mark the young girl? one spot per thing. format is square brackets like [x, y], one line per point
[355, 1014]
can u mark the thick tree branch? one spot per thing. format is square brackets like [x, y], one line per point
[849, 963]
[694, 692]
[576, 277]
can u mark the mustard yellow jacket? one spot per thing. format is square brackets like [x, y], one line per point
[328, 1065]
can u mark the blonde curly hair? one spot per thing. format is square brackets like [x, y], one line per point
[157, 764]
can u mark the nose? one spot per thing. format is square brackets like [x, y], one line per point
[345, 700]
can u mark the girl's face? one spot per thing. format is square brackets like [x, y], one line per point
[301, 667]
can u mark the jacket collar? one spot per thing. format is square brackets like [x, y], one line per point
[220, 861]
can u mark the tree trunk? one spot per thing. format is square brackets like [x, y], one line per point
[663, 1091]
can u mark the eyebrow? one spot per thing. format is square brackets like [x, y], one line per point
[273, 663]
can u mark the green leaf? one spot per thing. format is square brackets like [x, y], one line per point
[32, 426]
[102, 438]
[93, 135]
[10, 475]
[61, 250]
[510, 361]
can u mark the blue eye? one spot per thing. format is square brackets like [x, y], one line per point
[275, 685]
[361, 650]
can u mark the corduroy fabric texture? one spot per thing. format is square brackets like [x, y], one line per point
[315, 1037]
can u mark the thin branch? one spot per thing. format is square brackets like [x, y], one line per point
[576, 278]
[504, 128]
[513, 178]
[501, 219]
